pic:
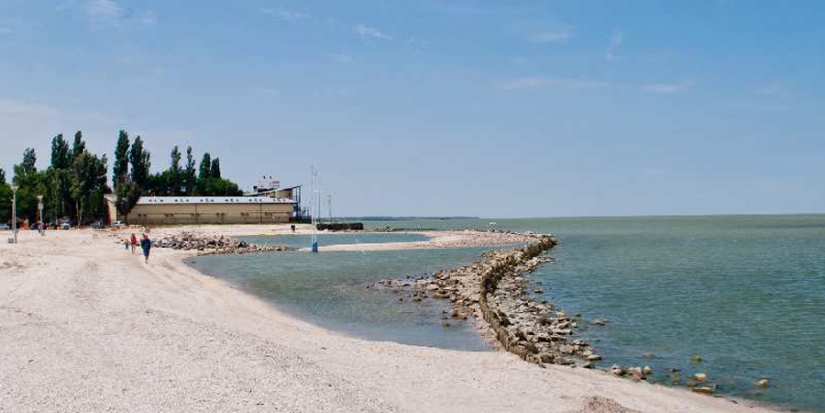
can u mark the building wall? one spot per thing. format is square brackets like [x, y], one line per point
[171, 214]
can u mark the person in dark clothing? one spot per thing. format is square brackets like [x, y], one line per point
[146, 246]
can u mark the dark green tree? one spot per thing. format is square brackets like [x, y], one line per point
[61, 158]
[79, 146]
[215, 171]
[205, 171]
[89, 185]
[190, 178]
[120, 169]
[174, 177]
[128, 194]
[29, 164]
[5, 198]
[56, 180]
[30, 183]
[140, 159]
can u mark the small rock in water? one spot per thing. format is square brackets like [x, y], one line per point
[696, 359]
[703, 390]
[647, 370]
[763, 383]
[636, 372]
[700, 377]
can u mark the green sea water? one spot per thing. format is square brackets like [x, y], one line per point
[745, 293]
[330, 289]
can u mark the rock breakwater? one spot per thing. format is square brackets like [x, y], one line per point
[213, 245]
[496, 290]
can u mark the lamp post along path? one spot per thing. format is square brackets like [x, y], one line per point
[40, 210]
[14, 212]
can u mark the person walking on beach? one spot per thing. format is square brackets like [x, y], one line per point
[133, 242]
[146, 246]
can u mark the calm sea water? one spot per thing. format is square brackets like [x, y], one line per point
[304, 241]
[746, 293]
[329, 289]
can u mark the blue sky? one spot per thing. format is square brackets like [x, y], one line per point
[436, 107]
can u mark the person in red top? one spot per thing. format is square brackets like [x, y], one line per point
[133, 242]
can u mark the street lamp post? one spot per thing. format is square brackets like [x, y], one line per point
[40, 209]
[14, 212]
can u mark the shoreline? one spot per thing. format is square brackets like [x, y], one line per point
[131, 327]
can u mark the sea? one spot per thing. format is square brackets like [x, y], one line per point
[739, 298]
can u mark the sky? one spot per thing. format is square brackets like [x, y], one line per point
[440, 107]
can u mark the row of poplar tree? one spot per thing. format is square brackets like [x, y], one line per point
[75, 183]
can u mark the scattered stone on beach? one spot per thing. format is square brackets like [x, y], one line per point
[636, 373]
[703, 390]
[213, 245]
[617, 370]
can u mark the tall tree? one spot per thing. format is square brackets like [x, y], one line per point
[175, 177]
[79, 146]
[205, 171]
[215, 171]
[30, 184]
[120, 169]
[89, 185]
[140, 160]
[29, 164]
[57, 177]
[60, 153]
[190, 178]
[5, 198]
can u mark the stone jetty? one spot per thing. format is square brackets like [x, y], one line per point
[496, 290]
[213, 245]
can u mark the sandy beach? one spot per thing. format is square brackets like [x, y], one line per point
[87, 326]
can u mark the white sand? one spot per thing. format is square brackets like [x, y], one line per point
[87, 327]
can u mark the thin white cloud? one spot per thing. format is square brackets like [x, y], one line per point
[104, 10]
[341, 57]
[668, 87]
[273, 93]
[613, 45]
[111, 13]
[774, 89]
[551, 82]
[16, 107]
[285, 14]
[366, 31]
[553, 36]
[147, 18]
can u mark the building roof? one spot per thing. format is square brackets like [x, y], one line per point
[272, 191]
[167, 200]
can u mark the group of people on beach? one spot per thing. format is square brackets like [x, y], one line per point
[145, 245]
